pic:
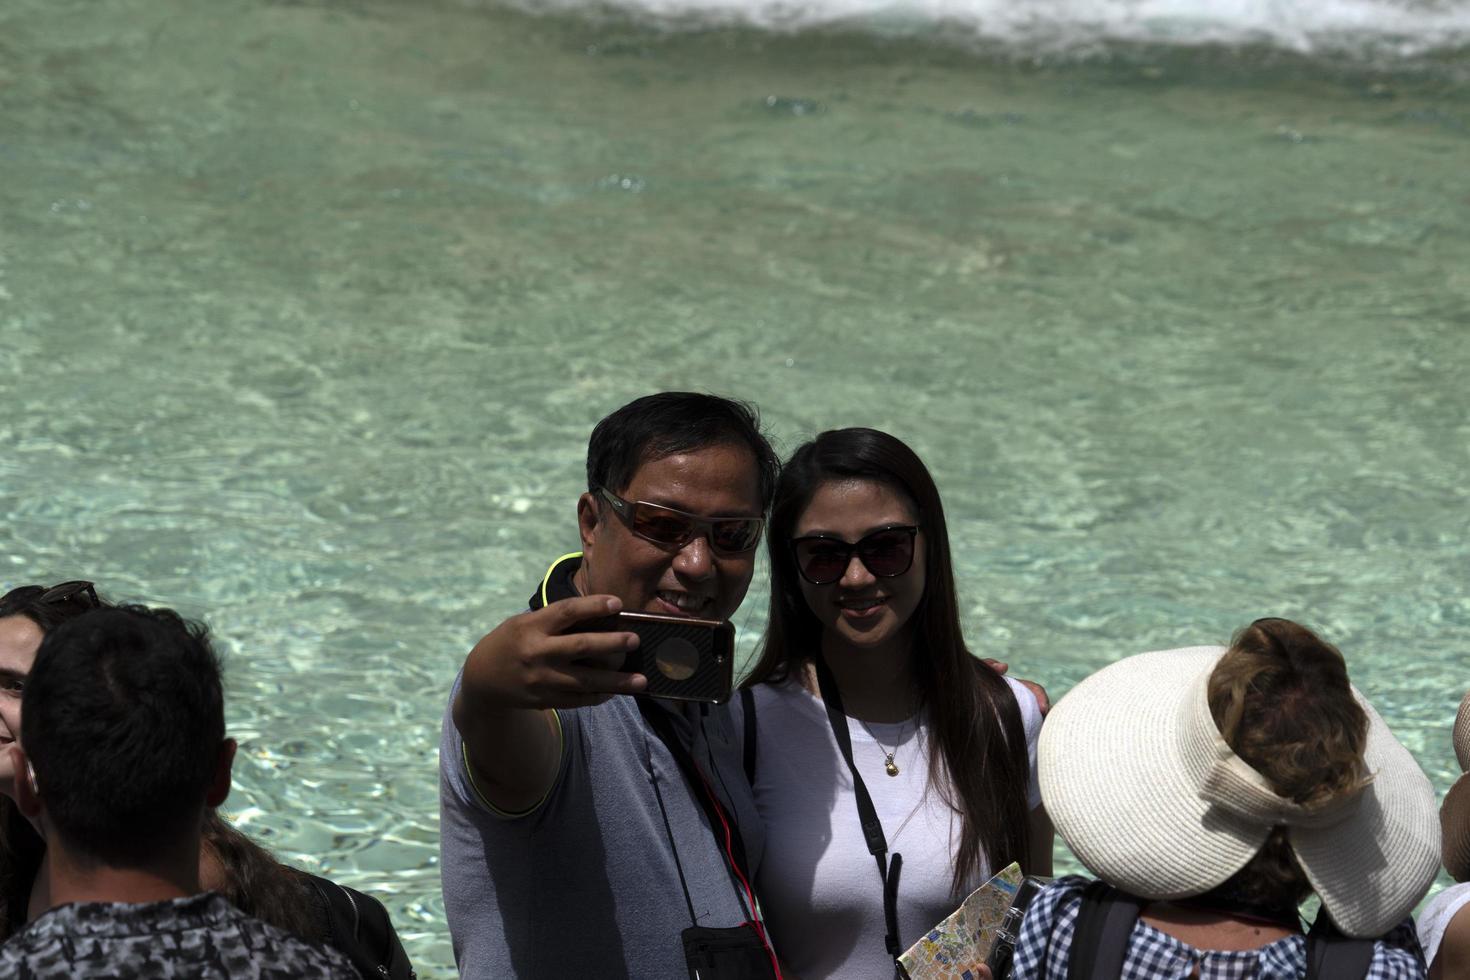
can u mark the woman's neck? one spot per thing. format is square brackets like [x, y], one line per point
[876, 685]
[1214, 929]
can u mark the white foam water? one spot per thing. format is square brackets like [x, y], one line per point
[1378, 28]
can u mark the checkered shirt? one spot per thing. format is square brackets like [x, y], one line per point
[1046, 942]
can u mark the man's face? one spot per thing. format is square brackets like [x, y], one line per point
[717, 481]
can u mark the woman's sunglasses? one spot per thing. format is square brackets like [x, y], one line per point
[728, 536]
[78, 591]
[887, 552]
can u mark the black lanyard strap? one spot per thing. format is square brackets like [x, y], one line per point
[888, 868]
[669, 833]
[703, 793]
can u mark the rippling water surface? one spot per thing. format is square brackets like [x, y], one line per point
[306, 310]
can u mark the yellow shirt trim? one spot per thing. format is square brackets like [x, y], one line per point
[469, 772]
[545, 600]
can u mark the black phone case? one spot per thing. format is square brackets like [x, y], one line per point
[713, 656]
[683, 659]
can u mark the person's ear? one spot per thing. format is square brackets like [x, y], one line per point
[27, 792]
[588, 515]
[219, 785]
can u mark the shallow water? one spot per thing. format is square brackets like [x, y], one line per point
[307, 310]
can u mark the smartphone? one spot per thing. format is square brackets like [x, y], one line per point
[1004, 947]
[683, 659]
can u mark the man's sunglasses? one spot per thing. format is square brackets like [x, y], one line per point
[78, 591]
[728, 536]
[887, 552]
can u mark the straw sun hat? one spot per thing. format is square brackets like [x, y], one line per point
[1144, 789]
[1454, 815]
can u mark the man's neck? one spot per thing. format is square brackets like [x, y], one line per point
[579, 579]
[175, 875]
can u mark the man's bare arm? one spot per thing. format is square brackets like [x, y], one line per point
[513, 680]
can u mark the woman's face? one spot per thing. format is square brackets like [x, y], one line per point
[861, 610]
[19, 640]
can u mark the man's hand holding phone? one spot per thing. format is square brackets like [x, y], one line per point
[682, 658]
[574, 653]
[548, 658]
[513, 679]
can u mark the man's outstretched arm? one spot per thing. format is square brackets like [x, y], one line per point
[515, 678]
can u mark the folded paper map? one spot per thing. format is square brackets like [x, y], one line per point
[955, 948]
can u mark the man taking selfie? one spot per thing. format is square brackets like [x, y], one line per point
[587, 830]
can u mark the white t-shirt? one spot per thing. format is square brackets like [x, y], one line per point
[819, 886]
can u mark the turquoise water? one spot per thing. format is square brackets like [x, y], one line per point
[306, 310]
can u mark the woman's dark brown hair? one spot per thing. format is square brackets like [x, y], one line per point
[259, 885]
[1281, 699]
[977, 757]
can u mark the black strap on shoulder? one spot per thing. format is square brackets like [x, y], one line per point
[361, 929]
[1101, 933]
[699, 787]
[1333, 956]
[747, 710]
[888, 869]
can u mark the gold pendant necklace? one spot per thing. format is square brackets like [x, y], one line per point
[889, 766]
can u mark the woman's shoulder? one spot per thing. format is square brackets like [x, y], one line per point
[784, 695]
[1062, 890]
[1030, 707]
[1055, 904]
[1045, 935]
[775, 688]
[775, 706]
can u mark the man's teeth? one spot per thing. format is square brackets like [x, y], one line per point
[682, 599]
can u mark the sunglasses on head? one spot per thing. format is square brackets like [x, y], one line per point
[887, 552]
[77, 591]
[674, 528]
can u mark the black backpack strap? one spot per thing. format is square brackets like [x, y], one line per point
[361, 929]
[1333, 956]
[1101, 933]
[888, 868]
[747, 710]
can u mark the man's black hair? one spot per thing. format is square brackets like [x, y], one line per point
[671, 422]
[123, 719]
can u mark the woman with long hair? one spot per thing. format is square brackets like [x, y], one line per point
[230, 862]
[893, 770]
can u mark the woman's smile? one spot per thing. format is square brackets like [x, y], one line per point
[859, 608]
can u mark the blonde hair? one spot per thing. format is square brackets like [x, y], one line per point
[1281, 699]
